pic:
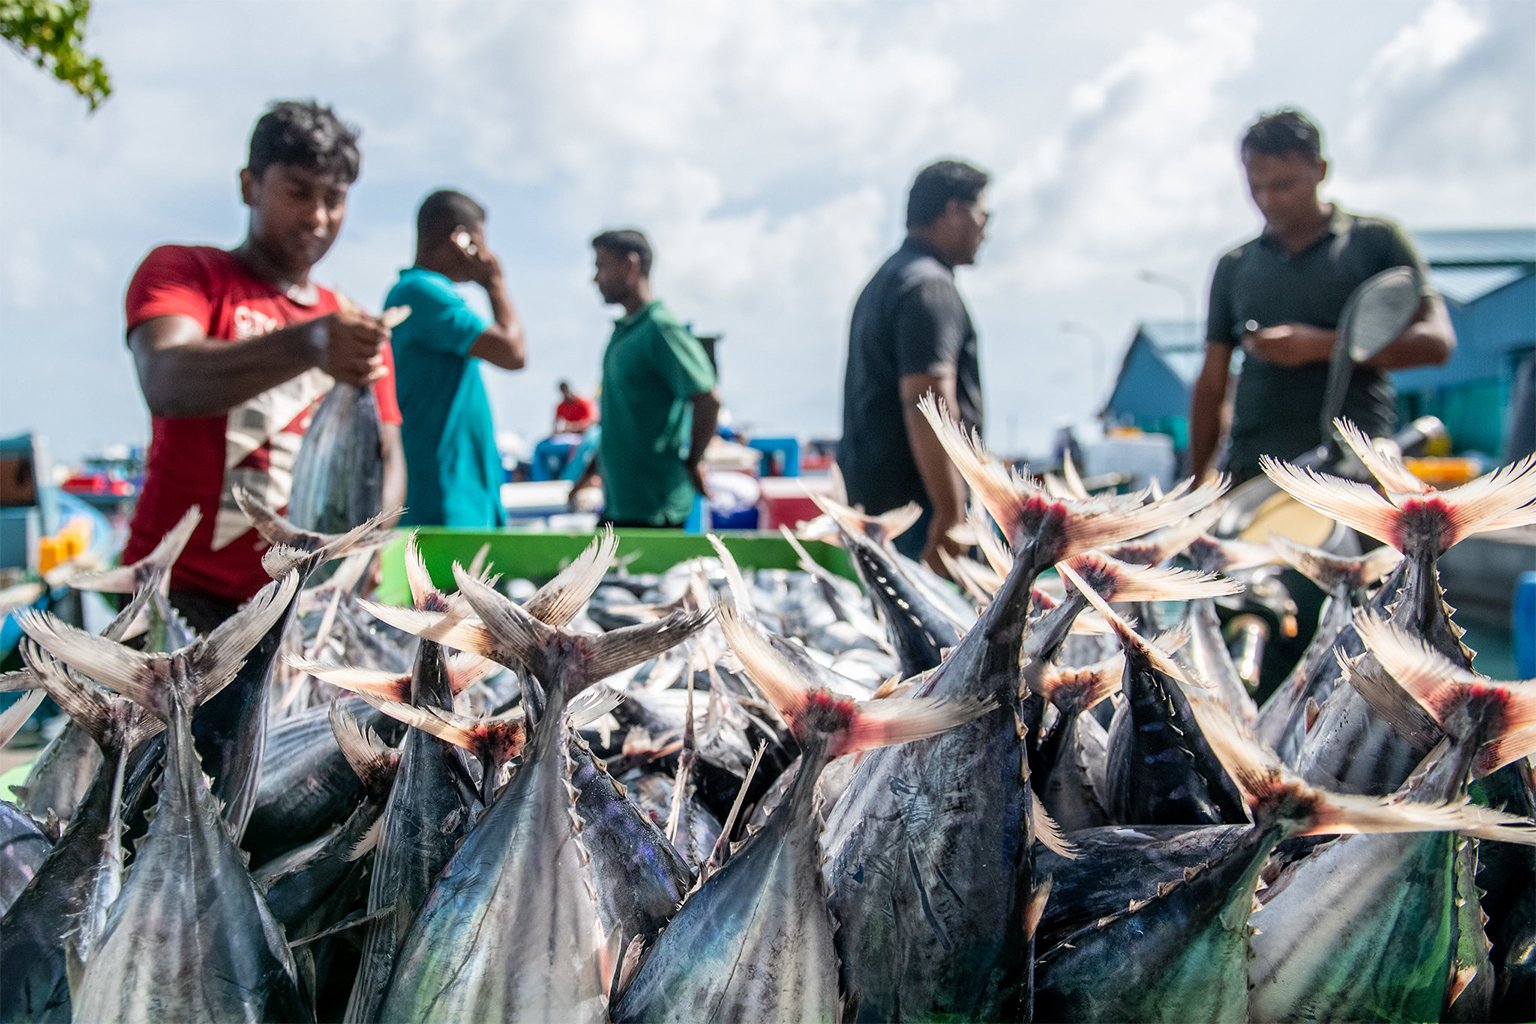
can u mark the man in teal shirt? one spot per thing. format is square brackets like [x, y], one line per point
[453, 470]
[658, 403]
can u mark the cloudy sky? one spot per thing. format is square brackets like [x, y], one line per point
[766, 148]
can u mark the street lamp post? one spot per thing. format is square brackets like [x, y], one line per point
[1186, 293]
[1096, 345]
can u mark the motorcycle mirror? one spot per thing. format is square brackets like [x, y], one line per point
[1376, 312]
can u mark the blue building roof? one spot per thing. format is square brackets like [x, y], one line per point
[1477, 247]
[1465, 265]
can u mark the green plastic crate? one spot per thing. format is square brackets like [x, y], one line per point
[540, 556]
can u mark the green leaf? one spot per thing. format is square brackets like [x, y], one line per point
[51, 34]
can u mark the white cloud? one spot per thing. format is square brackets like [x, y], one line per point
[767, 149]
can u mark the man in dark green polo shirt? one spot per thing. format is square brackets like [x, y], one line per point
[658, 403]
[1279, 296]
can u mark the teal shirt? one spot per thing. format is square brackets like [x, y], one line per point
[652, 369]
[453, 471]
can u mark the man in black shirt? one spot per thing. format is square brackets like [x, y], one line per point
[1292, 282]
[911, 334]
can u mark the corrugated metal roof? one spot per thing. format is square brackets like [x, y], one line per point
[1477, 247]
[1173, 335]
[1468, 284]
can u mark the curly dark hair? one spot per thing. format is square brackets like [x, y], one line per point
[1283, 132]
[308, 135]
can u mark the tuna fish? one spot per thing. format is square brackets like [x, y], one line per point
[510, 929]
[338, 475]
[1366, 928]
[929, 852]
[754, 941]
[189, 937]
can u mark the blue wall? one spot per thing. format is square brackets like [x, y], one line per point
[1147, 388]
[1471, 392]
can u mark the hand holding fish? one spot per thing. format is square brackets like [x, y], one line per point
[347, 342]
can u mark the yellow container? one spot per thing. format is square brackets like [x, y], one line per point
[1447, 471]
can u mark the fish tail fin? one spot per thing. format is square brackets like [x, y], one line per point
[1034, 910]
[477, 564]
[559, 601]
[1022, 508]
[1353, 504]
[580, 660]
[735, 583]
[374, 761]
[447, 628]
[211, 663]
[1075, 690]
[1331, 572]
[114, 666]
[1114, 580]
[99, 714]
[1386, 467]
[154, 567]
[295, 548]
[374, 533]
[1276, 796]
[379, 683]
[880, 529]
[1130, 640]
[466, 668]
[849, 725]
[15, 716]
[1499, 500]
[1213, 554]
[425, 596]
[1046, 831]
[1499, 716]
[996, 487]
[1157, 548]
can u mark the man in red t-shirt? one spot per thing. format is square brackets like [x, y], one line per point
[574, 413]
[235, 348]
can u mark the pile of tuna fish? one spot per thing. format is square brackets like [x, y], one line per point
[783, 796]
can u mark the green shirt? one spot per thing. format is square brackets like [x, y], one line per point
[652, 369]
[453, 470]
[1277, 409]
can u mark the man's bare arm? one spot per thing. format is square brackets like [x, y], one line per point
[501, 343]
[184, 373]
[706, 417]
[1428, 341]
[1209, 393]
[394, 468]
[942, 481]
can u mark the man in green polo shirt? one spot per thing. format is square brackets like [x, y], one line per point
[658, 403]
[1279, 296]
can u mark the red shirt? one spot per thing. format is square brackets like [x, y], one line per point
[199, 460]
[576, 409]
